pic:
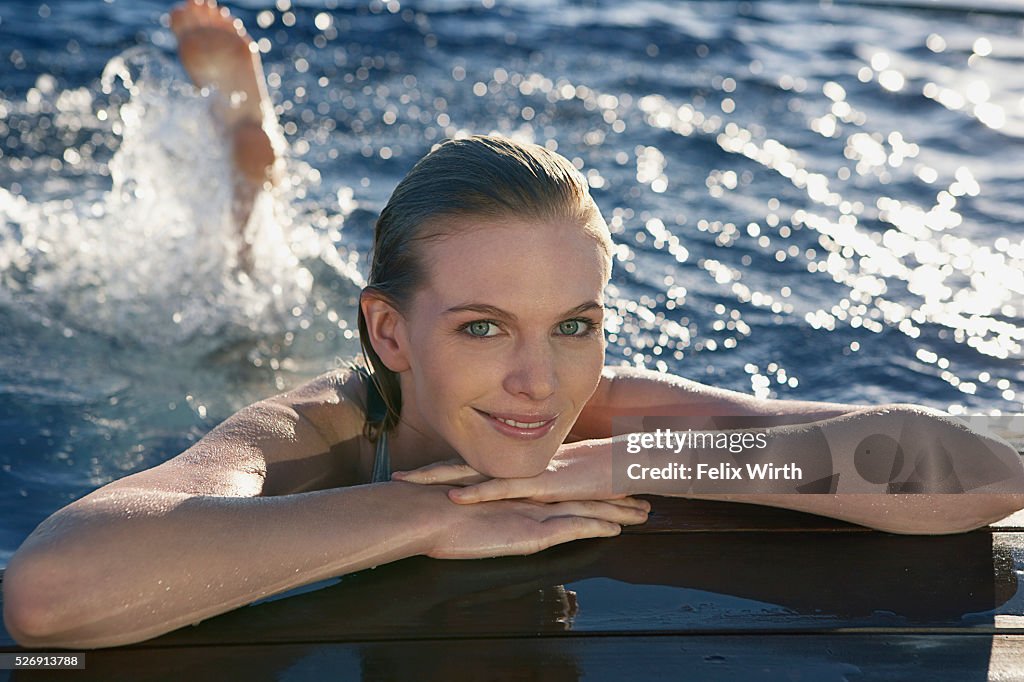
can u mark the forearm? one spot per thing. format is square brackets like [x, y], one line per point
[862, 468]
[126, 565]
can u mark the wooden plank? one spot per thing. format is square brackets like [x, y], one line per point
[679, 515]
[738, 582]
[937, 658]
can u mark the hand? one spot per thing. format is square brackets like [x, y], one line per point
[578, 471]
[448, 472]
[513, 527]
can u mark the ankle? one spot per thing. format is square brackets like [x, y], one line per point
[253, 153]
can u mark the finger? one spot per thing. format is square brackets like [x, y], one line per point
[634, 502]
[441, 472]
[493, 489]
[596, 509]
[567, 528]
[424, 473]
[448, 477]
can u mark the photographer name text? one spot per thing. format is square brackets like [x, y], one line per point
[723, 471]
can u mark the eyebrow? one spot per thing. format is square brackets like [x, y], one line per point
[494, 311]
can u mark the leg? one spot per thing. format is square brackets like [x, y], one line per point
[217, 53]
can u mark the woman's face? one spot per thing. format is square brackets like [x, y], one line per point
[504, 342]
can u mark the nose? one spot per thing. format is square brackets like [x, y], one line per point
[532, 371]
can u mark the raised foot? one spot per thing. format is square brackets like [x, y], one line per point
[217, 53]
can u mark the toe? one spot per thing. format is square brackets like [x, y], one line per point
[187, 15]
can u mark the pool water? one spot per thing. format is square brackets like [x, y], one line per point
[809, 200]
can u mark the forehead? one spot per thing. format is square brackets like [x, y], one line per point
[524, 267]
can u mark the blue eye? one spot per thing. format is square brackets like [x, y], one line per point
[480, 328]
[570, 327]
[577, 327]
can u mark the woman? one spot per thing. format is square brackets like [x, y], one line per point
[485, 382]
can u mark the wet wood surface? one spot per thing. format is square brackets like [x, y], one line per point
[712, 590]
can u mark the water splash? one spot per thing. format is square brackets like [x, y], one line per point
[154, 259]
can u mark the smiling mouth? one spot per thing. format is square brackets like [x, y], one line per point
[522, 423]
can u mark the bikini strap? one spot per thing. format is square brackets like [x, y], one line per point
[382, 460]
[376, 411]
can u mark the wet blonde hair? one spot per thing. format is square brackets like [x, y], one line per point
[483, 177]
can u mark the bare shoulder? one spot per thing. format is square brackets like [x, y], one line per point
[334, 403]
[308, 438]
[634, 386]
[626, 390]
[633, 391]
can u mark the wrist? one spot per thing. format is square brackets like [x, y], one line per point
[636, 472]
[431, 510]
[605, 461]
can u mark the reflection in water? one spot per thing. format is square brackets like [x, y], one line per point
[437, 619]
[800, 578]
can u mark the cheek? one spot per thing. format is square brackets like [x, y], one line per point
[449, 378]
[584, 370]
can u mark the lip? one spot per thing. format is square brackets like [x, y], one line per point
[519, 432]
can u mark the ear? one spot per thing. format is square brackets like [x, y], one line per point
[386, 327]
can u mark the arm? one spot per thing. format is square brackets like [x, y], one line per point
[628, 391]
[125, 566]
[938, 458]
[197, 535]
[585, 469]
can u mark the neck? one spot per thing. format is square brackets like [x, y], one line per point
[412, 446]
